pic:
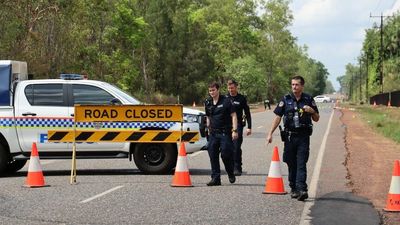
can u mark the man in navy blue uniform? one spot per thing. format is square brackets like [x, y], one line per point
[298, 110]
[240, 104]
[222, 127]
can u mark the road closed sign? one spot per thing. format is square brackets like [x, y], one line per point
[128, 113]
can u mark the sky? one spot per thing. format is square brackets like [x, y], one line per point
[334, 30]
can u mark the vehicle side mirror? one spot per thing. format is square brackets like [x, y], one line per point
[115, 101]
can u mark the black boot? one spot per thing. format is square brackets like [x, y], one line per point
[294, 193]
[214, 182]
[232, 178]
[303, 195]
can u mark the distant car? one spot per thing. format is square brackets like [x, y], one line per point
[322, 98]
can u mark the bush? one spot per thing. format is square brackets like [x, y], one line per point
[158, 98]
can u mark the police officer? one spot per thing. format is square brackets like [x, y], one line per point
[267, 103]
[240, 104]
[222, 126]
[297, 109]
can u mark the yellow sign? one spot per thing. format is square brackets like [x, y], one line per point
[128, 113]
[158, 136]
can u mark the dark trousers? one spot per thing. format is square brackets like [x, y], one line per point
[295, 154]
[237, 149]
[220, 143]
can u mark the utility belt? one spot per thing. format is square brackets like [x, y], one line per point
[220, 131]
[287, 133]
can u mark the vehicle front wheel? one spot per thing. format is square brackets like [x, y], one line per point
[16, 165]
[154, 158]
[3, 159]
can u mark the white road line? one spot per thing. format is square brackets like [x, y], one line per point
[101, 194]
[305, 216]
[45, 162]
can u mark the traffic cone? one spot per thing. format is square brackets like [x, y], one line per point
[274, 181]
[35, 175]
[182, 175]
[393, 199]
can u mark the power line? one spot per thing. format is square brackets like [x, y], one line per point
[381, 50]
[379, 3]
[394, 2]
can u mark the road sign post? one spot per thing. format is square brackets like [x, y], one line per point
[122, 113]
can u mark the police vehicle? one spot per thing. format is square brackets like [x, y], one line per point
[29, 108]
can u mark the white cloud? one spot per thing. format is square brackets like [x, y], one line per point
[394, 9]
[335, 29]
[322, 12]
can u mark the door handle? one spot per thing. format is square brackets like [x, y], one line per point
[29, 114]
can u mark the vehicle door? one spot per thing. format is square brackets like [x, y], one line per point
[40, 107]
[87, 94]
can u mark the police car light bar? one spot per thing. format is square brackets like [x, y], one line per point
[71, 76]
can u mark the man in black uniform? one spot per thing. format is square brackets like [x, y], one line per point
[222, 126]
[240, 103]
[297, 109]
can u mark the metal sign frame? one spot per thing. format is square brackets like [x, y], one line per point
[124, 113]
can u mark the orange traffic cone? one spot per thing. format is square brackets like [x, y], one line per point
[393, 199]
[35, 175]
[182, 175]
[274, 182]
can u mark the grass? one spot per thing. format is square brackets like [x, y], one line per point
[382, 119]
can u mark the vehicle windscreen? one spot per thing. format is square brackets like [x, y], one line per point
[122, 94]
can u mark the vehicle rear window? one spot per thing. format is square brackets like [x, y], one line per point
[90, 95]
[45, 94]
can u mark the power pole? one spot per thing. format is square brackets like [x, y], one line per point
[351, 86]
[360, 97]
[380, 51]
[366, 80]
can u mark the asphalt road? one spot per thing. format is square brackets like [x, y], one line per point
[115, 192]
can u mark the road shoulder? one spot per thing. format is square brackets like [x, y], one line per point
[335, 203]
[370, 162]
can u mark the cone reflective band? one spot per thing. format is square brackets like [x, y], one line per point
[35, 175]
[182, 176]
[393, 199]
[158, 136]
[274, 181]
[128, 113]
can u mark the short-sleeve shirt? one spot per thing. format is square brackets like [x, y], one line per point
[219, 114]
[240, 104]
[287, 108]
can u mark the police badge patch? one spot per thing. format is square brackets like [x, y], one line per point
[281, 103]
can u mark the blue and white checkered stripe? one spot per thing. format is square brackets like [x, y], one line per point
[6, 122]
[127, 125]
[44, 122]
[68, 123]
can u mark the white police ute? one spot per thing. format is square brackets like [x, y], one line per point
[29, 108]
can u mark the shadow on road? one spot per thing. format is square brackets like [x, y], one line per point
[343, 208]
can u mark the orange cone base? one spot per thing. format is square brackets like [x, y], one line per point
[35, 179]
[393, 203]
[181, 179]
[274, 186]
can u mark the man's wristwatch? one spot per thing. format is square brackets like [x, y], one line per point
[234, 130]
